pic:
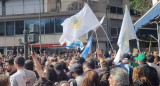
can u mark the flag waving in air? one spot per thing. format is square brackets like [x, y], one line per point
[78, 24]
[87, 48]
[127, 33]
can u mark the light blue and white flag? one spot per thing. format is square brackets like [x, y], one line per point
[79, 24]
[127, 33]
[87, 49]
[75, 45]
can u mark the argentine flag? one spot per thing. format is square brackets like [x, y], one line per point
[87, 48]
[75, 45]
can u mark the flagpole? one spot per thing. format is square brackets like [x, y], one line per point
[107, 38]
[97, 39]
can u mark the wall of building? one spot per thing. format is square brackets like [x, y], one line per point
[0, 8]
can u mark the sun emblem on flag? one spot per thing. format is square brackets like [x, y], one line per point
[76, 22]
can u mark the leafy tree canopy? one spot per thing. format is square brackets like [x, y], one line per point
[140, 6]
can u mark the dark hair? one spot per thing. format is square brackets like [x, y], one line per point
[19, 61]
[58, 67]
[80, 60]
[51, 74]
[10, 61]
[150, 58]
[43, 82]
[29, 65]
[79, 71]
[90, 64]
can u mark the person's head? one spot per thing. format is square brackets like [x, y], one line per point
[43, 82]
[156, 59]
[76, 69]
[88, 65]
[64, 66]
[141, 59]
[63, 83]
[9, 65]
[58, 67]
[118, 77]
[45, 53]
[19, 61]
[29, 65]
[138, 73]
[150, 58]
[91, 79]
[80, 60]
[126, 58]
[4, 80]
[50, 74]
[1, 69]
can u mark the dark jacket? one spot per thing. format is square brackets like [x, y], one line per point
[138, 83]
[151, 74]
[105, 75]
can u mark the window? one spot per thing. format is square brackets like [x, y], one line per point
[2, 28]
[113, 9]
[116, 10]
[19, 27]
[29, 22]
[119, 10]
[59, 28]
[114, 31]
[49, 26]
[9, 28]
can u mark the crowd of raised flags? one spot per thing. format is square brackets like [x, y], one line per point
[85, 20]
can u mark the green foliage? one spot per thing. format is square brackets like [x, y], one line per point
[140, 6]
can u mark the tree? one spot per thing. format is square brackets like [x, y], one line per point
[141, 6]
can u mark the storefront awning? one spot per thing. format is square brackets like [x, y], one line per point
[148, 16]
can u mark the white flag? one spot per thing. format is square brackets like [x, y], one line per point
[79, 24]
[127, 33]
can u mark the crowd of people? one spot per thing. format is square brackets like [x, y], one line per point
[70, 69]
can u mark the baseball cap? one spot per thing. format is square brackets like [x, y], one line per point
[141, 57]
[126, 56]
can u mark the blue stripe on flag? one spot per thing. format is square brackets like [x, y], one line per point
[87, 48]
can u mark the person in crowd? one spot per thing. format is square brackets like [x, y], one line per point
[64, 66]
[1, 69]
[50, 74]
[150, 72]
[118, 77]
[20, 52]
[125, 64]
[63, 83]
[80, 60]
[9, 66]
[4, 80]
[157, 60]
[29, 65]
[150, 60]
[59, 70]
[22, 77]
[14, 48]
[43, 82]
[77, 72]
[105, 67]
[139, 78]
[45, 54]
[88, 66]
[91, 79]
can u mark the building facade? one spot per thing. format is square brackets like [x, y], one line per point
[15, 15]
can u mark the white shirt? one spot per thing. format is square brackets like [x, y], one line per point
[23, 78]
